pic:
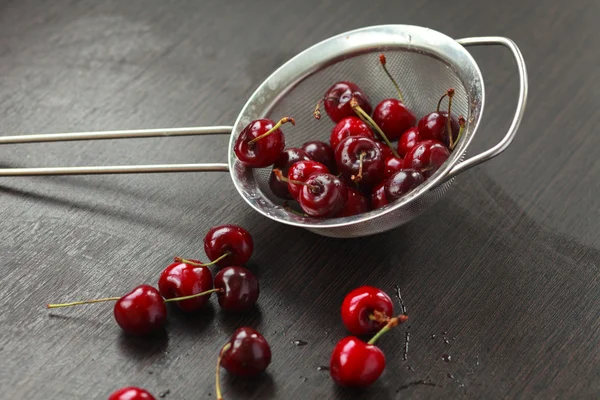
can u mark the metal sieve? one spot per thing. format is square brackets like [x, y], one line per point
[425, 62]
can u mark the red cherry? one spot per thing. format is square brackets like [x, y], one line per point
[131, 393]
[366, 310]
[355, 204]
[300, 172]
[392, 165]
[359, 158]
[320, 152]
[260, 142]
[378, 198]
[323, 195]
[141, 311]
[355, 363]
[394, 118]
[238, 287]
[181, 279]
[408, 140]
[434, 126]
[386, 152]
[426, 157]
[401, 183]
[349, 126]
[228, 245]
[337, 101]
[286, 159]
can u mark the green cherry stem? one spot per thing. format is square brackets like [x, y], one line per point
[367, 119]
[193, 296]
[449, 119]
[282, 121]
[462, 123]
[218, 371]
[393, 322]
[197, 264]
[383, 62]
[76, 303]
[358, 177]
[281, 178]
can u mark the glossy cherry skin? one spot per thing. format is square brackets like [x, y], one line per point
[249, 353]
[286, 159]
[434, 126]
[355, 363]
[320, 152]
[337, 100]
[360, 304]
[349, 126]
[301, 171]
[180, 279]
[386, 152]
[141, 311]
[239, 287]
[392, 165]
[408, 140]
[355, 204]
[131, 393]
[401, 183]
[324, 195]
[378, 198]
[263, 152]
[347, 156]
[228, 238]
[394, 118]
[427, 156]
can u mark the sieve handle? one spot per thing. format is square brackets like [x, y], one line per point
[522, 99]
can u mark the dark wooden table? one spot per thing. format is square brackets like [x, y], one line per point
[502, 275]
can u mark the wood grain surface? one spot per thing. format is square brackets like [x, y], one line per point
[507, 264]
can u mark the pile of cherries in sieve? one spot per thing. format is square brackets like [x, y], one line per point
[360, 169]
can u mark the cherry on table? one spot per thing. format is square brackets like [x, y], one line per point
[349, 126]
[323, 195]
[359, 159]
[185, 278]
[300, 172]
[337, 101]
[401, 183]
[427, 157]
[131, 393]
[286, 159]
[392, 165]
[378, 198]
[237, 289]
[228, 245]
[260, 143]
[365, 310]
[356, 203]
[320, 152]
[408, 140]
[435, 125]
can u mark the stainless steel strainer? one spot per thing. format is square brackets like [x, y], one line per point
[425, 62]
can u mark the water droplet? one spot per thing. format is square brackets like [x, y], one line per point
[299, 342]
[272, 84]
[446, 341]
[410, 40]
[444, 333]
[449, 375]
[446, 357]
[408, 367]
[322, 368]
[304, 379]
[432, 336]
[261, 99]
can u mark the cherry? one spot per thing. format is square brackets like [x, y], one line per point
[237, 289]
[391, 115]
[355, 363]
[392, 165]
[337, 101]
[260, 142]
[300, 172]
[247, 353]
[362, 114]
[435, 125]
[366, 310]
[386, 152]
[286, 159]
[181, 279]
[408, 140]
[359, 159]
[349, 126]
[228, 245]
[320, 152]
[323, 195]
[131, 393]
[355, 204]
[401, 183]
[426, 157]
[141, 311]
[378, 198]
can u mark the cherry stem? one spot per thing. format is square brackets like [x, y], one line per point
[379, 316]
[218, 372]
[367, 119]
[197, 264]
[449, 119]
[317, 112]
[393, 322]
[76, 303]
[282, 121]
[281, 178]
[291, 210]
[193, 296]
[358, 177]
[383, 62]
[462, 123]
